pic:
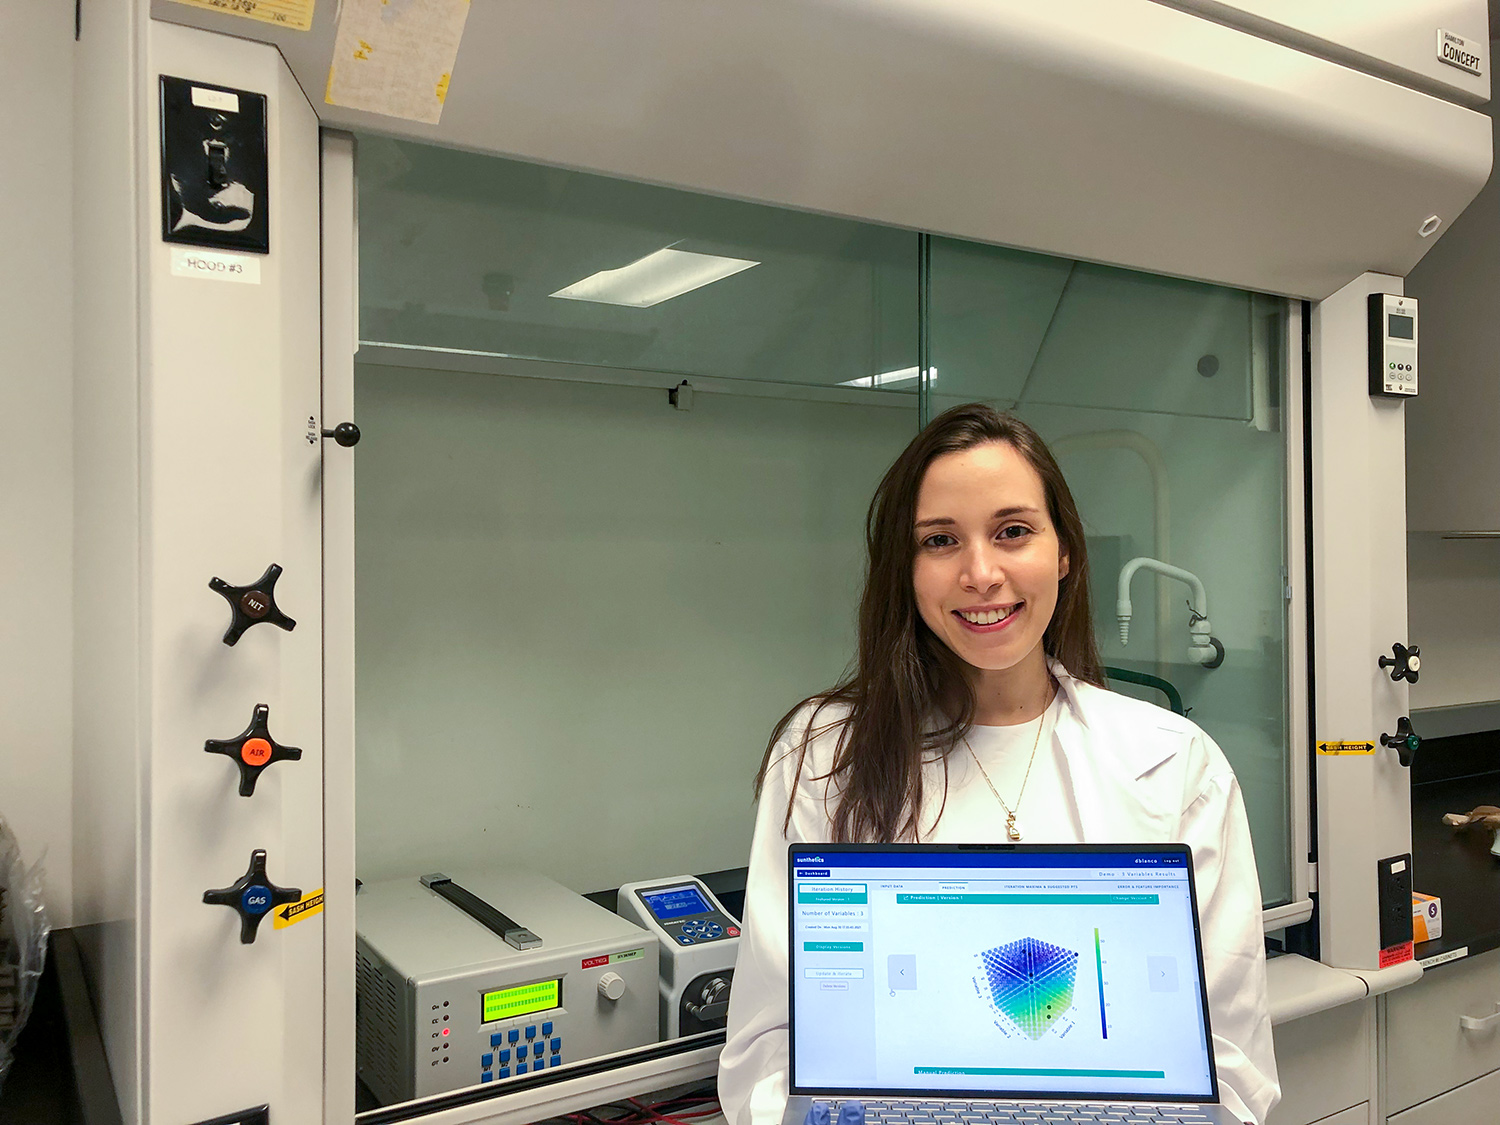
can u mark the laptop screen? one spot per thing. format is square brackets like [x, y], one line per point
[1070, 971]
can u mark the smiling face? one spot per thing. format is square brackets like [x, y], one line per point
[988, 560]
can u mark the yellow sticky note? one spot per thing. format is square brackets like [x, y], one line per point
[396, 59]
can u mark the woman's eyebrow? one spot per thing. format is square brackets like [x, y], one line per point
[1000, 514]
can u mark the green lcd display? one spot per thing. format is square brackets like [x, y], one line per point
[522, 1000]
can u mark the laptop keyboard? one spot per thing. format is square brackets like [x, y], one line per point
[1029, 1113]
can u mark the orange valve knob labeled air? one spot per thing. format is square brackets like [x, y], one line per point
[255, 752]
[253, 749]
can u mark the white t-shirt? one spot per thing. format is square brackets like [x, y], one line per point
[1044, 815]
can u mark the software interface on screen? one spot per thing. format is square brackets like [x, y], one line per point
[1000, 972]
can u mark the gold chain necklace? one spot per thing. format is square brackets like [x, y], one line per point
[1012, 829]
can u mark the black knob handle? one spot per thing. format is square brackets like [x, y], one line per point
[713, 1001]
[1407, 662]
[1405, 741]
[250, 605]
[253, 750]
[252, 896]
[345, 433]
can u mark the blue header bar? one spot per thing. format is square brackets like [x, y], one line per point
[813, 863]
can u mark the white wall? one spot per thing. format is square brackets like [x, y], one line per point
[108, 219]
[582, 611]
[36, 437]
[1453, 469]
[1453, 601]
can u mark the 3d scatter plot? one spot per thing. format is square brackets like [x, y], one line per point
[1031, 983]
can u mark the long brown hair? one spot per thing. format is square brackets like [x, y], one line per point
[908, 695]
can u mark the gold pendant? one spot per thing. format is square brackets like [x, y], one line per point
[1010, 826]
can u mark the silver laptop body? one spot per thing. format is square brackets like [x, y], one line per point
[1012, 984]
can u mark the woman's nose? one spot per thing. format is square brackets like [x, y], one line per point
[982, 569]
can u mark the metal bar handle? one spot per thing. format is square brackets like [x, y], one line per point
[512, 932]
[1481, 1023]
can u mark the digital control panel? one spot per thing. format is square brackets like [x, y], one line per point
[684, 914]
[1393, 346]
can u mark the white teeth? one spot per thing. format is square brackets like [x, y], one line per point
[988, 616]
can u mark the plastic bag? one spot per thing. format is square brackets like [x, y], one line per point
[23, 942]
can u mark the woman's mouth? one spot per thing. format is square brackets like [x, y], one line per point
[987, 620]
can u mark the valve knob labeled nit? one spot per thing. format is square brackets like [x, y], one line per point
[251, 605]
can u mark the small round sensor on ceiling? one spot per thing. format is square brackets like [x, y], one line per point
[1429, 226]
[1208, 366]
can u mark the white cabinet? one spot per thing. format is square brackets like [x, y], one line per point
[1354, 1115]
[1428, 1052]
[1474, 1103]
[1428, 1068]
[1324, 1061]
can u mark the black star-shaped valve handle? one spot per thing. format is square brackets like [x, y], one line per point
[252, 896]
[253, 749]
[252, 604]
[1407, 663]
[1405, 742]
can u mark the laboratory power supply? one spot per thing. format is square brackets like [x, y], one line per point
[699, 943]
[487, 976]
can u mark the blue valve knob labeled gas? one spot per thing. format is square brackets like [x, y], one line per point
[252, 896]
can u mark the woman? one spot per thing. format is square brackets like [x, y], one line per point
[977, 712]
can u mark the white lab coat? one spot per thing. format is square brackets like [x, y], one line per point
[1136, 773]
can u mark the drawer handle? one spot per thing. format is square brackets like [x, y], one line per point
[1481, 1023]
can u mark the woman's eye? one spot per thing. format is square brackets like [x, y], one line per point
[937, 542]
[1014, 531]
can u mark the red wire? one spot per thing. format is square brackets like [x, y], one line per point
[642, 1114]
[677, 1117]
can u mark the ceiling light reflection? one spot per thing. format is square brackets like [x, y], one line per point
[653, 279]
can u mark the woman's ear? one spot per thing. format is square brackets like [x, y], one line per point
[1062, 563]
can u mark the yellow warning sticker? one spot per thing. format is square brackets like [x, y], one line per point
[311, 903]
[295, 14]
[1346, 748]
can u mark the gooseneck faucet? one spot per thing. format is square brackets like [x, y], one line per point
[1204, 648]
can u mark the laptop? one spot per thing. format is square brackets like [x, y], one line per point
[957, 984]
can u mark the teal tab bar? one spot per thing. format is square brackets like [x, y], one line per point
[1024, 900]
[834, 946]
[1040, 1072]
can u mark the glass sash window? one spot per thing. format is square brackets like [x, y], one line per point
[619, 444]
